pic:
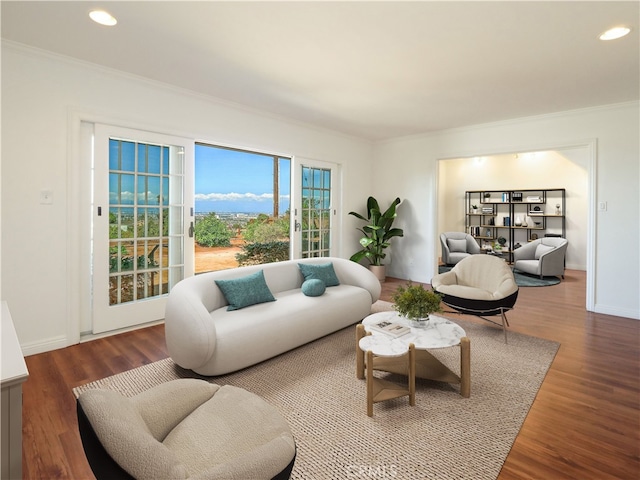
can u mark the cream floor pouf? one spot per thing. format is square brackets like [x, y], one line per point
[185, 429]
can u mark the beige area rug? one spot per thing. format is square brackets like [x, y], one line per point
[444, 436]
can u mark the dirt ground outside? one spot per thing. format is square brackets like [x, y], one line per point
[211, 259]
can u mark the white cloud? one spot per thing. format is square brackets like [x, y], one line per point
[235, 197]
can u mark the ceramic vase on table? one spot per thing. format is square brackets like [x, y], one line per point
[420, 322]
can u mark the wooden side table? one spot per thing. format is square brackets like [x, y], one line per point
[445, 334]
[381, 355]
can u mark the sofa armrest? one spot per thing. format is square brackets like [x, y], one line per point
[446, 278]
[189, 329]
[123, 434]
[552, 262]
[352, 273]
[445, 249]
[164, 406]
[525, 252]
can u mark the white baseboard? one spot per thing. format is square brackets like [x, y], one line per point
[53, 343]
[617, 312]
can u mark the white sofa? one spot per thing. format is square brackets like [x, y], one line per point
[203, 336]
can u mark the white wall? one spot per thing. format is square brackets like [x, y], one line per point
[529, 170]
[43, 98]
[408, 167]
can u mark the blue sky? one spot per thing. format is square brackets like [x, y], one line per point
[233, 181]
[225, 180]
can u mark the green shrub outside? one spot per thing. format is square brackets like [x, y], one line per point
[213, 232]
[259, 253]
[265, 229]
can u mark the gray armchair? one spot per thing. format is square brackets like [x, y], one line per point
[456, 246]
[542, 257]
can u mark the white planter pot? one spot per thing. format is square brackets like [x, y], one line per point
[379, 271]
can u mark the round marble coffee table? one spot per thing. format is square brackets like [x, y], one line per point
[439, 333]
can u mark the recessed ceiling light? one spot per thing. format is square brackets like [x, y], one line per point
[103, 18]
[614, 33]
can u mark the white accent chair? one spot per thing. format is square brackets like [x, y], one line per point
[480, 285]
[184, 429]
[456, 246]
[542, 257]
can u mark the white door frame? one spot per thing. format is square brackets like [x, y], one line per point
[79, 230]
[105, 315]
[296, 204]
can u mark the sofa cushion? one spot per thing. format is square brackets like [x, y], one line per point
[542, 249]
[313, 287]
[245, 291]
[457, 245]
[320, 271]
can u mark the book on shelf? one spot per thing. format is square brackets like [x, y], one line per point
[392, 329]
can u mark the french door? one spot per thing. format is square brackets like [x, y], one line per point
[142, 198]
[316, 206]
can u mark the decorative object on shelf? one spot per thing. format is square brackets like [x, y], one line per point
[506, 221]
[517, 196]
[505, 197]
[518, 221]
[535, 211]
[502, 241]
[524, 222]
[474, 209]
[488, 232]
[534, 236]
[492, 221]
[416, 303]
[558, 209]
[377, 232]
[487, 209]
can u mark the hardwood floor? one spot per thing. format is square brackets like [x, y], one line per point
[584, 423]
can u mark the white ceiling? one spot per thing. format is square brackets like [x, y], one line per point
[372, 69]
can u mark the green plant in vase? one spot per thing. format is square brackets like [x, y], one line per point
[416, 303]
[377, 234]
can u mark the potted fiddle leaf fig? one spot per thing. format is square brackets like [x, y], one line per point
[377, 233]
[416, 303]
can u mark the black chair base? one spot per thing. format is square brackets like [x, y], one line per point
[483, 308]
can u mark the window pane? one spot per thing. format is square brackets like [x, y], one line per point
[128, 154]
[165, 191]
[165, 159]
[153, 190]
[126, 189]
[153, 159]
[114, 154]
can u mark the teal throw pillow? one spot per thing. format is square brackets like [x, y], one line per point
[320, 271]
[245, 291]
[313, 287]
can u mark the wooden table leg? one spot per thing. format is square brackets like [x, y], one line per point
[465, 367]
[360, 332]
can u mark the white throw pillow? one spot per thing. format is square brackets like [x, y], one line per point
[457, 245]
[542, 249]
